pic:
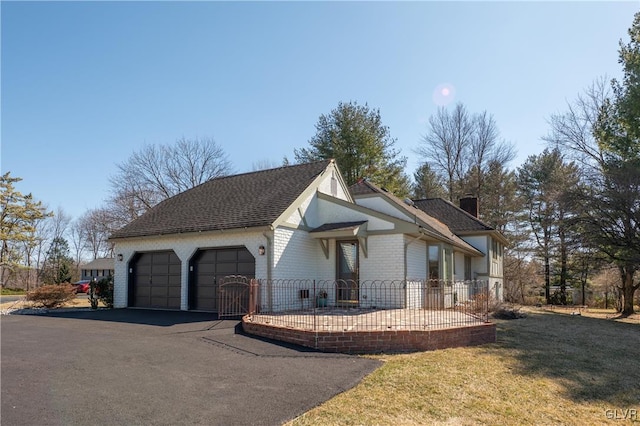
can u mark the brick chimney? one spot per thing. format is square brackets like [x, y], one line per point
[470, 204]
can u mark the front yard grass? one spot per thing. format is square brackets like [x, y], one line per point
[549, 368]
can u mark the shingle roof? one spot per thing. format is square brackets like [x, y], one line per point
[337, 226]
[431, 223]
[231, 202]
[362, 187]
[451, 215]
[102, 263]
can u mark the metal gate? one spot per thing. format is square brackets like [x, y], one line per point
[237, 296]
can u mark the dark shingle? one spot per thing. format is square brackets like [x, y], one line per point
[361, 188]
[454, 217]
[231, 202]
[338, 226]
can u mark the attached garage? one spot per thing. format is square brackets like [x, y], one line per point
[209, 266]
[155, 280]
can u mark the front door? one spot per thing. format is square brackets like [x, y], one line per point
[347, 288]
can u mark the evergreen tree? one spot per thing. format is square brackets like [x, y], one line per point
[18, 216]
[362, 146]
[57, 268]
[613, 221]
[546, 184]
[427, 183]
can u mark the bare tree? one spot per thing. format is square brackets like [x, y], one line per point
[573, 130]
[77, 236]
[486, 149]
[158, 172]
[446, 143]
[60, 222]
[462, 148]
[96, 226]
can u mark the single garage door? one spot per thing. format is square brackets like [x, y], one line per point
[155, 280]
[209, 266]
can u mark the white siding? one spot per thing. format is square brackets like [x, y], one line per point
[416, 258]
[479, 265]
[331, 212]
[416, 271]
[295, 254]
[380, 204]
[325, 186]
[459, 267]
[384, 263]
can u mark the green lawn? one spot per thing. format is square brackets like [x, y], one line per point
[11, 291]
[547, 369]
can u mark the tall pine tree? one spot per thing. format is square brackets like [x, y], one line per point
[362, 146]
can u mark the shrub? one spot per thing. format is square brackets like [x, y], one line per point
[506, 312]
[479, 303]
[102, 291]
[51, 296]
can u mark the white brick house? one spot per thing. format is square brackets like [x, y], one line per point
[293, 222]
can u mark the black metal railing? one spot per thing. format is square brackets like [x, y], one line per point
[345, 305]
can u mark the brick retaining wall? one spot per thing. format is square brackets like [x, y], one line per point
[368, 342]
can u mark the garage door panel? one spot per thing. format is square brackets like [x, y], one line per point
[144, 269]
[207, 292]
[246, 268]
[160, 280]
[143, 291]
[157, 280]
[206, 268]
[227, 269]
[227, 256]
[207, 256]
[211, 267]
[246, 256]
[159, 269]
[206, 280]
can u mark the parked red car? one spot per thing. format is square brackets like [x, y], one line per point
[81, 286]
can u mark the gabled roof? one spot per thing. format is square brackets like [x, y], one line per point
[101, 263]
[438, 229]
[233, 202]
[455, 218]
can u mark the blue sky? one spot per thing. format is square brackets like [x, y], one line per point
[85, 84]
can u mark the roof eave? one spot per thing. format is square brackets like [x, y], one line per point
[212, 232]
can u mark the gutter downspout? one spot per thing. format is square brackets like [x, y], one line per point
[269, 258]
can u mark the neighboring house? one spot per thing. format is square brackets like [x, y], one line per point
[98, 269]
[293, 222]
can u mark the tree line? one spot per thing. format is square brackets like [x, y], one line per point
[569, 212]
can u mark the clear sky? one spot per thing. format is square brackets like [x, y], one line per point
[84, 84]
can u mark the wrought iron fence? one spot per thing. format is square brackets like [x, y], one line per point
[234, 296]
[331, 305]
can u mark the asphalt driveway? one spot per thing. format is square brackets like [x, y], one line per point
[153, 367]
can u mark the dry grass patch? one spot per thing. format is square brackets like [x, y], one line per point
[545, 369]
[24, 304]
[609, 314]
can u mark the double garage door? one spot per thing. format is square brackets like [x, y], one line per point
[155, 277]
